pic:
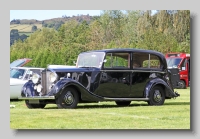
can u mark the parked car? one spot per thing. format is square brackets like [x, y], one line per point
[182, 62]
[119, 75]
[18, 77]
[20, 62]
[175, 78]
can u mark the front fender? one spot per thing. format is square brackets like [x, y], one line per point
[158, 81]
[85, 93]
[28, 89]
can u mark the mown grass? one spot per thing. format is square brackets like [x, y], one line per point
[174, 114]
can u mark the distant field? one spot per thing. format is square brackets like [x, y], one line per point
[24, 27]
[25, 33]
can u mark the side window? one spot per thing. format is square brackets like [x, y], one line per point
[183, 64]
[145, 60]
[116, 60]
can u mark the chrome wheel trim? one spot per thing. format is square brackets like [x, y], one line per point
[68, 98]
[157, 96]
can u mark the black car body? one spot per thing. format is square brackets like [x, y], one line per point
[103, 75]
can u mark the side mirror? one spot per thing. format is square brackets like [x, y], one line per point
[183, 68]
[74, 62]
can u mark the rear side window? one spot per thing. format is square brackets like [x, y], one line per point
[145, 60]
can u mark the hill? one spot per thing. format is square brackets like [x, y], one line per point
[21, 29]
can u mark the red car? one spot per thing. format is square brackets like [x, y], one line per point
[182, 62]
[20, 62]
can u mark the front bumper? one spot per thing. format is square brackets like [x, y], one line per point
[177, 94]
[37, 98]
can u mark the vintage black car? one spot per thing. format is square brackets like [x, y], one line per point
[120, 75]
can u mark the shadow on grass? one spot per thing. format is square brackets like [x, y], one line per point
[177, 103]
[97, 105]
[16, 100]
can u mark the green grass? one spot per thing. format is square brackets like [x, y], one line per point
[174, 114]
[25, 33]
[25, 27]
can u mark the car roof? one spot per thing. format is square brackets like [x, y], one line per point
[20, 62]
[128, 50]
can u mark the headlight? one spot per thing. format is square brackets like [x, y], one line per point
[39, 88]
[52, 77]
[35, 78]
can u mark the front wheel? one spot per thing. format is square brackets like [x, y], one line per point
[68, 99]
[156, 96]
[34, 106]
[123, 103]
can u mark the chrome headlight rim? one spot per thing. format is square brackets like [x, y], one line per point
[35, 78]
[53, 77]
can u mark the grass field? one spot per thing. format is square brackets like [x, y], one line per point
[174, 114]
[24, 27]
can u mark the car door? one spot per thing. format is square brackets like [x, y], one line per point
[147, 64]
[115, 76]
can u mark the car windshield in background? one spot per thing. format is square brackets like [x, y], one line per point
[17, 63]
[17, 73]
[173, 62]
[93, 59]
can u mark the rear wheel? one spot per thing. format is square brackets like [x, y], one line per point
[123, 103]
[68, 99]
[34, 106]
[182, 84]
[156, 96]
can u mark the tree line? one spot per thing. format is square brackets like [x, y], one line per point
[166, 31]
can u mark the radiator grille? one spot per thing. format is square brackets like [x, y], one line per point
[45, 82]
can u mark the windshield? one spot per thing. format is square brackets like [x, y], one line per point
[91, 59]
[173, 62]
[17, 73]
[17, 63]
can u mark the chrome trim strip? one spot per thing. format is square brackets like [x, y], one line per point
[152, 71]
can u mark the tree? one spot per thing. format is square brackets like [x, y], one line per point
[14, 35]
[34, 28]
[58, 24]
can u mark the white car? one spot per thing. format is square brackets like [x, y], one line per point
[18, 77]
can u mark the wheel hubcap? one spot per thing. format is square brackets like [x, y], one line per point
[181, 84]
[68, 98]
[157, 96]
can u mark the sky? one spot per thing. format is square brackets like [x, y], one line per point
[49, 14]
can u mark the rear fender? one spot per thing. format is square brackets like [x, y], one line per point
[158, 81]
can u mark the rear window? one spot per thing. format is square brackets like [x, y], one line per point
[144, 60]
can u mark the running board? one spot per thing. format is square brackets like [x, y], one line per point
[105, 98]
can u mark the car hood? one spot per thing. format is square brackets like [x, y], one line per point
[62, 68]
[14, 81]
[20, 62]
